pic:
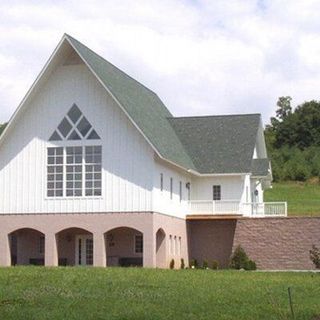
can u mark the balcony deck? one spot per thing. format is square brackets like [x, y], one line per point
[213, 216]
[225, 209]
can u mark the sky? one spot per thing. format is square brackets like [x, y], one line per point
[201, 57]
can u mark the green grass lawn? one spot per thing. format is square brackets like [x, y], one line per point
[133, 293]
[303, 198]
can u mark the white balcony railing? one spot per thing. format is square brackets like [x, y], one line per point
[253, 209]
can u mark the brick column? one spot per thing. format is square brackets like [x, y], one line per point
[149, 249]
[99, 250]
[51, 251]
[5, 258]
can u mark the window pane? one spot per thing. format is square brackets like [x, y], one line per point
[51, 151]
[93, 135]
[93, 172]
[74, 136]
[217, 192]
[74, 113]
[64, 127]
[55, 172]
[84, 126]
[74, 171]
[89, 192]
[138, 243]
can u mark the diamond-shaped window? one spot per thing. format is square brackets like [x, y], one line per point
[74, 126]
[55, 137]
[65, 127]
[74, 114]
[84, 126]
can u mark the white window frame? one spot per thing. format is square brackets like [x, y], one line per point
[135, 243]
[42, 244]
[64, 145]
[213, 192]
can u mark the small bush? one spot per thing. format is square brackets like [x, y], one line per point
[250, 265]
[182, 265]
[205, 264]
[240, 260]
[171, 264]
[315, 256]
[215, 265]
[193, 263]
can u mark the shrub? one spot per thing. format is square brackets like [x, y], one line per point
[215, 265]
[315, 256]
[250, 265]
[240, 260]
[182, 265]
[193, 263]
[205, 264]
[171, 264]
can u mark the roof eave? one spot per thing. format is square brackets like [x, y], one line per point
[196, 173]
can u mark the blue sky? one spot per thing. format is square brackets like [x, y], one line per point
[201, 57]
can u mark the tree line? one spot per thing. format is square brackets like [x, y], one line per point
[293, 140]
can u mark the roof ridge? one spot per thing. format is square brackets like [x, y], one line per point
[216, 116]
[114, 66]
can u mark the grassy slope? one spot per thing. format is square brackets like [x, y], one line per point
[84, 293]
[303, 199]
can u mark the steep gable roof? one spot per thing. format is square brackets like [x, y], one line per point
[219, 144]
[141, 104]
[205, 145]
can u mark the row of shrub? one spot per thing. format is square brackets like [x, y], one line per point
[239, 260]
[295, 164]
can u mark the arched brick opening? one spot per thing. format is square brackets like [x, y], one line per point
[27, 247]
[161, 253]
[124, 247]
[75, 247]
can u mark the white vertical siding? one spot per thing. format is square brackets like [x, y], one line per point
[232, 187]
[127, 158]
[162, 201]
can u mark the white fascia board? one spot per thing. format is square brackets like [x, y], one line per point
[196, 173]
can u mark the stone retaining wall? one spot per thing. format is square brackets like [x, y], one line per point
[274, 243]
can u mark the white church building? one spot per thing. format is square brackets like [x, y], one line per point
[95, 170]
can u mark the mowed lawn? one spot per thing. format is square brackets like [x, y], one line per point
[133, 293]
[303, 198]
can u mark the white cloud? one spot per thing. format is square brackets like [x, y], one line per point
[201, 57]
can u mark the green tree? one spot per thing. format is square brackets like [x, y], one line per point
[2, 127]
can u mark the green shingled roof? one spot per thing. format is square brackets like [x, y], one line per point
[219, 144]
[143, 106]
[260, 167]
[213, 144]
